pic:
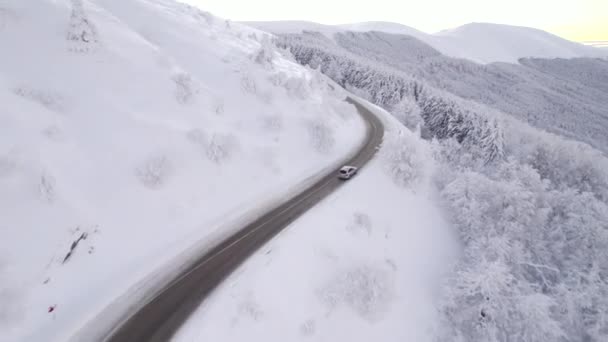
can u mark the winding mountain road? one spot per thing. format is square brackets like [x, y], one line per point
[159, 319]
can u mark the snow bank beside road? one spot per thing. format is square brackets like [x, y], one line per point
[140, 125]
[362, 265]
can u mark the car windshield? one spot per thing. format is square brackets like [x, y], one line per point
[343, 171]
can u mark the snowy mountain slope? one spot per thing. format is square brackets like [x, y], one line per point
[547, 93]
[289, 26]
[478, 42]
[530, 207]
[386, 27]
[131, 130]
[486, 43]
[369, 262]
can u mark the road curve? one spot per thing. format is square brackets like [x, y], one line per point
[160, 318]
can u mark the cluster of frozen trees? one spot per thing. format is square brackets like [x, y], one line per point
[154, 172]
[412, 101]
[185, 87]
[531, 208]
[217, 147]
[535, 264]
[545, 93]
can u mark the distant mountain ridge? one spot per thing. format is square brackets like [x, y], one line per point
[480, 42]
[563, 96]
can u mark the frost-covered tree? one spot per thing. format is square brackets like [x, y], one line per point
[408, 113]
[404, 159]
[154, 171]
[82, 33]
[265, 54]
[220, 147]
[492, 141]
[185, 88]
[551, 240]
[297, 87]
[248, 84]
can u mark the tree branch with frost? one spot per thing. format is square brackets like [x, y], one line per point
[553, 269]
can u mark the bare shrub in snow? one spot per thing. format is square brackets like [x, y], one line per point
[154, 172]
[221, 147]
[404, 160]
[361, 223]
[308, 328]
[185, 88]
[46, 188]
[82, 33]
[367, 290]
[218, 147]
[48, 99]
[248, 84]
[321, 135]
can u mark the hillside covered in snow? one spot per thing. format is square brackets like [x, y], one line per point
[364, 264]
[135, 133]
[530, 207]
[485, 43]
[479, 42]
[565, 96]
[131, 131]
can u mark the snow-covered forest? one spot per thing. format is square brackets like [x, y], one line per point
[531, 207]
[547, 94]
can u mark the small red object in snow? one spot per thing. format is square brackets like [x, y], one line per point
[52, 308]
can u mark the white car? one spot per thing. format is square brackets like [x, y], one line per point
[347, 171]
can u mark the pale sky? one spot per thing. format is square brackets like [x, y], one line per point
[580, 20]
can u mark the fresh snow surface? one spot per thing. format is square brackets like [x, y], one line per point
[363, 265]
[480, 42]
[132, 130]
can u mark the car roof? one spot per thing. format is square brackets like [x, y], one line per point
[347, 167]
